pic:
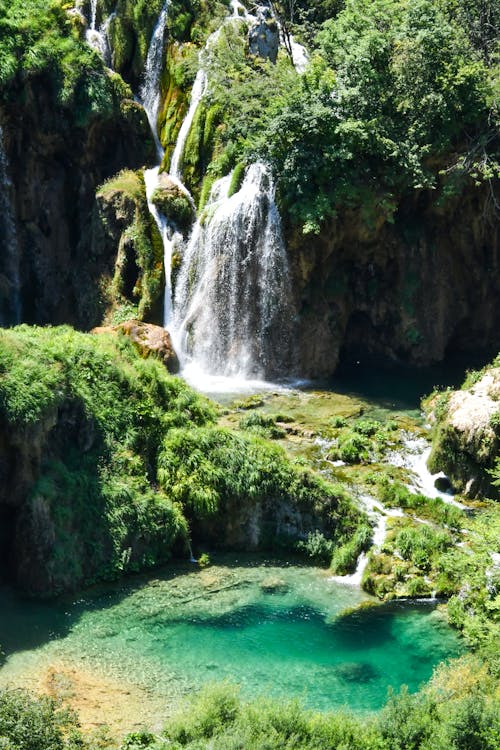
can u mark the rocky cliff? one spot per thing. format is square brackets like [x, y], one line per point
[409, 291]
[56, 164]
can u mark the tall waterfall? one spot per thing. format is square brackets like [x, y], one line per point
[232, 314]
[93, 14]
[232, 301]
[150, 97]
[150, 89]
[10, 303]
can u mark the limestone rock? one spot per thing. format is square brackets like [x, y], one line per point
[56, 165]
[149, 339]
[410, 291]
[466, 427]
[263, 36]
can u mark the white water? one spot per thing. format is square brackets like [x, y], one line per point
[378, 515]
[230, 319]
[197, 92]
[93, 13]
[98, 38]
[415, 457]
[232, 298]
[10, 306]
[170, 238]
[300, 58]
[150, 89]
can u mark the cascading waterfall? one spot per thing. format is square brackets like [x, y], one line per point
[171, 239]
[10, 302]
[231, 314]
[93, 14]
[98, 38]
[150, 97]
[150, 89]
[232, 301]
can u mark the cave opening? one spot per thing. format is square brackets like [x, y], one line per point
[362, 344]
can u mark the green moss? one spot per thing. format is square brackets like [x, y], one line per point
[138, 278]
[236, 179]
[175, 205]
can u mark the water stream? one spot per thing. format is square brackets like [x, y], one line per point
[97, 38]
[150, 89]
[197, 92]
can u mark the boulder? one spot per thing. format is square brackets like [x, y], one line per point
[149, 339]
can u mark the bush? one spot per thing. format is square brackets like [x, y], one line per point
[263, 425]
[29, 723]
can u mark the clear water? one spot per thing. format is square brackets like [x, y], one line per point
[271, 629]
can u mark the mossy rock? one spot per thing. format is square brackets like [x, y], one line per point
[173, 203]
[131, 238]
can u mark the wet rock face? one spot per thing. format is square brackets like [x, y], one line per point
[149, 339]
[27, 520]
[410, 292]
[263, 36]
[55, 168]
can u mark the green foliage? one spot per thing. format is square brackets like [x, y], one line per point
[211, 470]
[393, 89]
[317, 547]
[175, 205]
[28, 723]
[134, 458]
[235, 110]
[262, 424]
[41, 39]
[353, 448]
[344, 558]
[236, 179]
[466, 718]
[397, 495]
[111, 410]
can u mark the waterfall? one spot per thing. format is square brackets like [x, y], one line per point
[232, 310]
[97, 38]
[231, 314]
[10, 303]
[170, 238]
[150, 89]
[197, 92]
[93, 14]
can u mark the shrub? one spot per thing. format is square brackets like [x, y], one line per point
[29, 723]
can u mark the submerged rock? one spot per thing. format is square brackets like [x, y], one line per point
[274, 585]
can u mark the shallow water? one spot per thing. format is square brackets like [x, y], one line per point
[270, 629]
